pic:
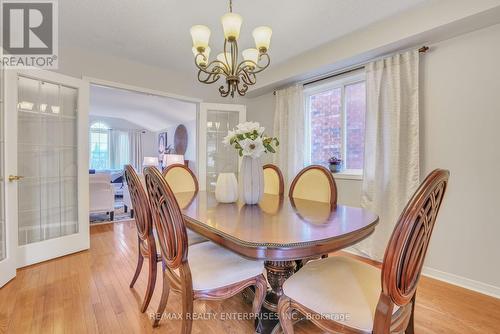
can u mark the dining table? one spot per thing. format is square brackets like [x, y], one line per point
[279, 231]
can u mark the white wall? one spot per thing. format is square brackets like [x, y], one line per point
[460, 116]
[149, 143]
[91, 63]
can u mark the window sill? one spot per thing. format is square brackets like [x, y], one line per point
[349, 174]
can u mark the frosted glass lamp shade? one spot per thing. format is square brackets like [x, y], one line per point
[252, 55]
[231, 24]
[149, 161]
[171, 159]
[221, 58]
[262, 37]
[200, 35]
[200, 60]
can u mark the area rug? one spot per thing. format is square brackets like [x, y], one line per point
[103, 218]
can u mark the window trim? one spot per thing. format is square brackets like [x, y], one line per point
[99, 130]
[321, 87]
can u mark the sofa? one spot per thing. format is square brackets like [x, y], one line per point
[102, 194]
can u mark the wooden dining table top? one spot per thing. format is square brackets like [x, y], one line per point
[277, 228]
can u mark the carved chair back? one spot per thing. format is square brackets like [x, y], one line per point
[273, 180]
[180, 178]
[167, 217]
[314, 183]
[140, 203]
[407, 247]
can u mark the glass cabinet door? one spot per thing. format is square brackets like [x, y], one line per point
[220, 158]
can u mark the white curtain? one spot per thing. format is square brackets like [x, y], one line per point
[391, 165]
[136, 155]
[289, 126]
[119, 152]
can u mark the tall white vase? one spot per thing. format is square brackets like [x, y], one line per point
[252, 178]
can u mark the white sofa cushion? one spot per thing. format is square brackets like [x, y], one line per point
[213, 266]
[336, 287]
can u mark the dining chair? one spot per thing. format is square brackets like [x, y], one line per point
[203, 271]
[182, 179]
[344, 295]
[273, 180]
[145, 236]
[314, 183]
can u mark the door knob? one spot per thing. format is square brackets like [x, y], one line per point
[15, 177]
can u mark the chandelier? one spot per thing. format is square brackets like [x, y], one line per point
[239, 76]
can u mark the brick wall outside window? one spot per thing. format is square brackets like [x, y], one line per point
[326, 125]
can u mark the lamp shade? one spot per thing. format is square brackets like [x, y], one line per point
[262, 37]
[221, 58]
[170, 159]
[200, 60]
[252, 55]
[149, 161]
[200, 35]
[231, 24]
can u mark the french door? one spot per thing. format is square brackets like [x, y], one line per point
[46, 166]
[215, 120]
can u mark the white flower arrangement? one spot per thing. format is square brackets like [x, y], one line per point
[249, 139]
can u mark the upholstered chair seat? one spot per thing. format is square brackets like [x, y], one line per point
[213, 267]
[336, 287]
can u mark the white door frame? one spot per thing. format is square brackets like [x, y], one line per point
[202, 134]
[56, 247]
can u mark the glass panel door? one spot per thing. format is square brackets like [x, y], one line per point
[47, 160]
[220, 158]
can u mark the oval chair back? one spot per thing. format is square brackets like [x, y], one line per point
[273, 180]
[146, 239]
[180, 178]
[167, 217]
[314, 183]
[405, 253]
[140, 203]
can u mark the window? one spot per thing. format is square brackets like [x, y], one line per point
[335, 122]
[99, 146]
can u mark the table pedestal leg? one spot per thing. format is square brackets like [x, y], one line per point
[277, 273]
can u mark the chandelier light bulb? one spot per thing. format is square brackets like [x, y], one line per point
[231, 24]
[251, 55]
[262, 37]
[200, 35]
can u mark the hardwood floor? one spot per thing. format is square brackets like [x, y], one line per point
[89, 292]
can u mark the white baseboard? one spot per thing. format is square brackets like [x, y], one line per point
[466, 283]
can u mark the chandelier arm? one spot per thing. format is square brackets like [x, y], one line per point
[209, 79]
[215, 64]
[248, 77]
[244, 88]
[251, 66]
[223, 92]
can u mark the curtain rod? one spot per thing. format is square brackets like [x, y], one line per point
[358, 67]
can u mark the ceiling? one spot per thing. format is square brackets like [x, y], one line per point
[156, 32]
[150, 112]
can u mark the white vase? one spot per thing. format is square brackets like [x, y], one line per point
[226, 189]
[252, 178]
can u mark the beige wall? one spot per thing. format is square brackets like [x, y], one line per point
[460, 116]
